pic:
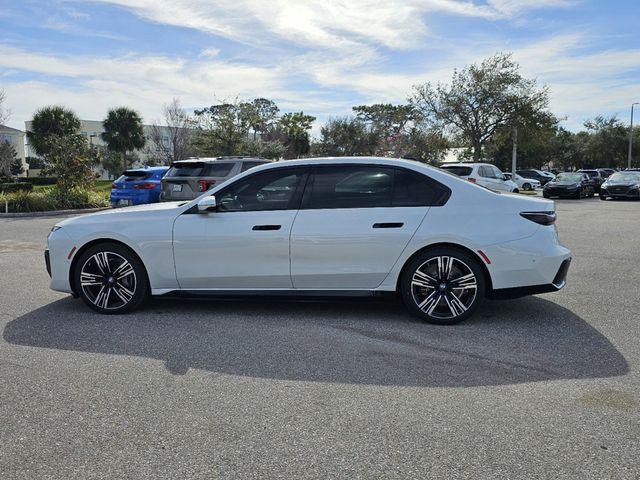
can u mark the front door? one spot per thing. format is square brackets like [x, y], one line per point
[353, 225]
[245, 244]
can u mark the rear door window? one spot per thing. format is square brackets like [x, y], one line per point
[218, 169]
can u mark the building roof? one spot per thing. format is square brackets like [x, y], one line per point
[4, 128]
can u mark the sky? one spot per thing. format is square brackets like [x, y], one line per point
[319, 56]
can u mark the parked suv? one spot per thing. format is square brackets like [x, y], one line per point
[484, 174]
[186, 179]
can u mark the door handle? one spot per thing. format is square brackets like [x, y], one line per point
[266, 227]
[388, 225]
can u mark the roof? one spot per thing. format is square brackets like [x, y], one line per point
[147, 169]
[222, 159]
[4, 128]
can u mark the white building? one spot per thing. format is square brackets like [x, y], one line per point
[15, 138]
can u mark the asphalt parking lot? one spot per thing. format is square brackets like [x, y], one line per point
[540, 387]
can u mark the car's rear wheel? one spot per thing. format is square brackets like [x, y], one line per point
[443, 286]
[111, 279]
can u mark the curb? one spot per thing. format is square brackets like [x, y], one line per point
[52, 213]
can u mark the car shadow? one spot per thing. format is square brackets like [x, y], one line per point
[371, 342]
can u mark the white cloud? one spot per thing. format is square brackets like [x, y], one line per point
[334, 24]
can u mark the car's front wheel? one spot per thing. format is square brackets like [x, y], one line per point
[526, 186]
[443, 286]
[111, 279]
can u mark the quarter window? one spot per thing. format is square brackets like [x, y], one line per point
[272, 190]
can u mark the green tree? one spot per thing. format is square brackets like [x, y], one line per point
[480, 99]
[293, 132]
[260, 115]
[123, 132]
[222, 129]
[71, 159]
[346, 136]
[607, 144]
[48, 124]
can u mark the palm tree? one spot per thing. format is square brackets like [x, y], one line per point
[123, 132]
[49, 122]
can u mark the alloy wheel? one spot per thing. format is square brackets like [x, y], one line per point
[444, 287]
[108, 280]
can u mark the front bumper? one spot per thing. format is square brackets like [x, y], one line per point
[47, 261]
[618, 192]
[561, 193]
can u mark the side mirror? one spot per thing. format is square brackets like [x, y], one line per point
[207, 205]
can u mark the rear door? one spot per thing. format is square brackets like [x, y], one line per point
[354, 223]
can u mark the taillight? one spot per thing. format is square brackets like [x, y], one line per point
[542, 218]
[114, 185]
[204, 185]
[145, 186]
[471, 179]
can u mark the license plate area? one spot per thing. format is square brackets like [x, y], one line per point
[176, 188]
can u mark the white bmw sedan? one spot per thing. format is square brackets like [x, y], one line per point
[324, 226]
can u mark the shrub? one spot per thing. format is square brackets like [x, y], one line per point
[15, 187]
[53, 199]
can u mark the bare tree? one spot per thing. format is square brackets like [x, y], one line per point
[172, 140]
[4, 112]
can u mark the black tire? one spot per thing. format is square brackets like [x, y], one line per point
[545, 195]
[453, 305]
[110, 286]
[602, 197]
[515, 190]
[526, 186]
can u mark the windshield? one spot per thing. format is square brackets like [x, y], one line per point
[625, 177]
[569, 177]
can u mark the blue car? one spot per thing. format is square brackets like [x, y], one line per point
[137, 186]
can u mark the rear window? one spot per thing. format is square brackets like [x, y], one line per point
[186, 169]
[218, 169]
[461, 171]
[591, 173]
[133, 175]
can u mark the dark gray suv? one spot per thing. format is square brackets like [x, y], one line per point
[186, 179]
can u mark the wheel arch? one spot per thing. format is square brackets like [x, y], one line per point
[455, 246]
[92, 243]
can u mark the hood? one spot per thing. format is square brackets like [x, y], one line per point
[163, 208]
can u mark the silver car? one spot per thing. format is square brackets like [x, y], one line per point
[186, 179]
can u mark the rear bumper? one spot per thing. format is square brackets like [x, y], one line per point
[558, 283]
[538, 262]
